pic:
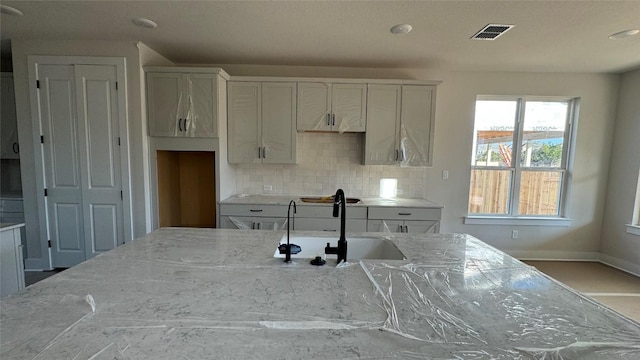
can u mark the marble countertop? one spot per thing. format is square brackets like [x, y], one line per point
[365, 201]
[214, 293]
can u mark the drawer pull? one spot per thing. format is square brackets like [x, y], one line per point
[329, 230]
[404, 213]
[255, 210]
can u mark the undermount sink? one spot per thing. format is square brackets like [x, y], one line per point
[326, 200]
[358, 248]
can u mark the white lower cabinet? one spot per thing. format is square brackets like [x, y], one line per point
[11, 261]
[253, 217]
[404, 220]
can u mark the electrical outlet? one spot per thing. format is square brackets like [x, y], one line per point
[267, 188]
[445, 174]
[514, 234]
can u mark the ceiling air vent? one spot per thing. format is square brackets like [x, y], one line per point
[491, 32]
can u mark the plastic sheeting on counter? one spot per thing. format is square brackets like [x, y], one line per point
[215, 293]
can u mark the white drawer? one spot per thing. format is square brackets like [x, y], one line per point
[254, 210]
[326, 211]
[403, 213]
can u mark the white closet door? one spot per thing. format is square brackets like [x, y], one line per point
[61, 164]
[99, 157]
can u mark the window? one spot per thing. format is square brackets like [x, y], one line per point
[528, 179]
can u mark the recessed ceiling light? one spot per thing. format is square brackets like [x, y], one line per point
[6, 9]
[624, 34]
[401, 29]
[146, 23]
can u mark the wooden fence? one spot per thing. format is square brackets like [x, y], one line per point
[539, 192]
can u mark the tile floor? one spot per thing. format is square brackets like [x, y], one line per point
[607, 285]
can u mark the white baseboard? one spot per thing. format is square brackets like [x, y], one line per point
[550, 255]
[624, 265]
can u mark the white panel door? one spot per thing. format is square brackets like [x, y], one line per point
[314, 106]
[164, 100]
[99, 151]
[61, 164]
[278, 125]
[202, 105]
[349, 107]
[9, 148]
[383, 122]
[244, 115]
[416, 134]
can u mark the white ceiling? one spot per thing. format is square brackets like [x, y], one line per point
[549, 36]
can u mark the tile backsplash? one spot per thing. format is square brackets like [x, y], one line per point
[326, 162]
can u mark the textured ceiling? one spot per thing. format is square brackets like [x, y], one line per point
[549, 36]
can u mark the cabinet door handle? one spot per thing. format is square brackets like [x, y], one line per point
[333, 120]
[259, 226]
[402, 155]
[180, 124]
[329, 230]
[397, 154]
[328, 119]
[405, 214]
[401, 228]
[253, 225]
[406, 228]
[255, 210]
[16, 148]
[264, 152]
[259, 152]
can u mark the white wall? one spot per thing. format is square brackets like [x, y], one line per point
[455, 108]
[620, 248]
[36, 246]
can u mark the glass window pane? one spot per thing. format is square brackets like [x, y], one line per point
[544, 130]
[540, 192]
[489, 191]
[493, 133]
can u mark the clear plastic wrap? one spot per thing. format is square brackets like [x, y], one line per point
[197, 294]
[332, 107]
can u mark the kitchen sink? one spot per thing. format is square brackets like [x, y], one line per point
[326, 199]
[358, 248]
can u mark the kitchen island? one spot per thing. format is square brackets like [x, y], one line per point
[219, 294]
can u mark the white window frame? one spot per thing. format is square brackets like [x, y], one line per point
[634, 226]
[512, 218]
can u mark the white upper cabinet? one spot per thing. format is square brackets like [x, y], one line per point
[400, 122]
[182, 104]
[261, 122]
[9, 142]
[332, 107]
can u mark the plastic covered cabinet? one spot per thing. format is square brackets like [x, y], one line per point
[332, 107]
[400, 123]
[261, 122]
[182, 104]
[10, 148]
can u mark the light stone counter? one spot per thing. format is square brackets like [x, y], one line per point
[218, 294]
[285, 199]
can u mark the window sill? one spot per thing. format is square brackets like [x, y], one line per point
[502, 220]
[633, 229]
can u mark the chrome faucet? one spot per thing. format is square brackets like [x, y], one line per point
[339, 206]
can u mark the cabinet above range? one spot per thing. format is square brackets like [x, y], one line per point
[185, 101]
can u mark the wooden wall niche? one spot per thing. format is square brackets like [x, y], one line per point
[186, 188]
